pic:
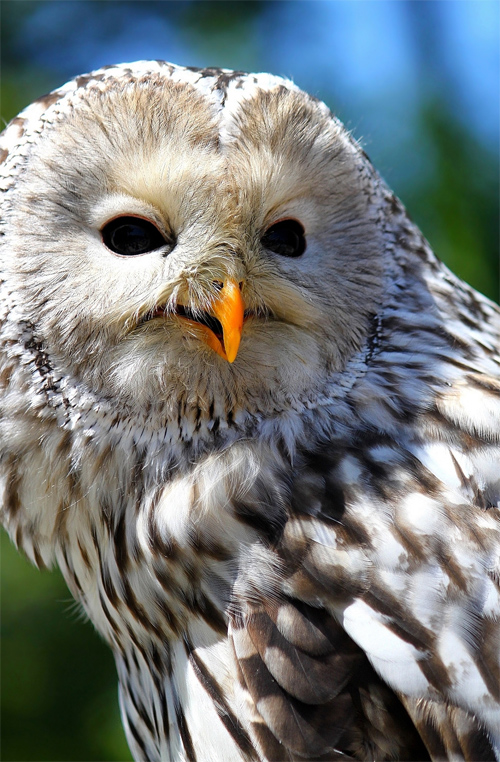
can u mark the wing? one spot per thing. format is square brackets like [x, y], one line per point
[381, 637]
[311, 693]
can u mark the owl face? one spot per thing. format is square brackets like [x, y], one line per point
[168, 247]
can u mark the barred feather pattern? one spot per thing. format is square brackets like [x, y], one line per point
[311, 578]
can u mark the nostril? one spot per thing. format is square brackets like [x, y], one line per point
[219, 284]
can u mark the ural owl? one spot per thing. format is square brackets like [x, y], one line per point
[254, 421]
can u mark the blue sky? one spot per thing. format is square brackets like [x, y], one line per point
[357, 51]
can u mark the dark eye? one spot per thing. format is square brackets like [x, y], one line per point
[132, 235]
[286, 238]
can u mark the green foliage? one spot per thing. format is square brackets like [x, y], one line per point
[59, 694]
[458, 208]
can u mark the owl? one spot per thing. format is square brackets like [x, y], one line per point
[254, 421]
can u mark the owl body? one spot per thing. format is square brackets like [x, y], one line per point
[253, 419]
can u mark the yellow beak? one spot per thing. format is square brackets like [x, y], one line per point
[229, 310]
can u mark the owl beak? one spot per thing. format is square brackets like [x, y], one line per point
[222, 334]
[229, 310]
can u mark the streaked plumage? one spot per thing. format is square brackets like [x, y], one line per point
[293, 555]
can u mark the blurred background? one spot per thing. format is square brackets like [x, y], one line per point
[417, 82]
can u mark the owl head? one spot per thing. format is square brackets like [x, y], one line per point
[187, 236]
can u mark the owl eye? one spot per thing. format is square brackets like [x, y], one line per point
[286, 237]
[132, 235]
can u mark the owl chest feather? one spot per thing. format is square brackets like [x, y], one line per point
[273, 593]
[158, 576]
[251, 591]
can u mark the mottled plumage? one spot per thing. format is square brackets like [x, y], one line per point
[292, 544]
